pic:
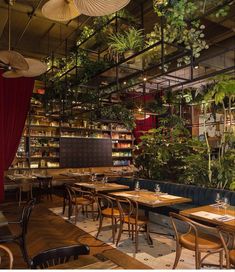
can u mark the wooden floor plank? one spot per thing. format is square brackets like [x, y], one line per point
[47, 230]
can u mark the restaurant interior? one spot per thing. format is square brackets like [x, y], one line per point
[117, 128]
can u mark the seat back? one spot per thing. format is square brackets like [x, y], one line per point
[128, 208]
[26, 212]
[191, 227]
[25, 184]
[44, 182]
[60, 255]
[105, 202]
[8, 252]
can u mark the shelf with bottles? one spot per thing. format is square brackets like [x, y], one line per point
[44, 131]
[85, 125]
[43, 122]
[119, 128]
[121, 136]
[20, 163]
[121, 145]
[42, 153]
[126, 154]
[36, 143]
[44, 163]
[121, 162]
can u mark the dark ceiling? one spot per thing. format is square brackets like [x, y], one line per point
[36, 36]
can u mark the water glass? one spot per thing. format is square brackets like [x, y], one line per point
[225, 203]
[157, 189]
[218, 199]
[137, 186]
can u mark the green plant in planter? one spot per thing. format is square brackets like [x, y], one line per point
[222, 93]
[129, 40]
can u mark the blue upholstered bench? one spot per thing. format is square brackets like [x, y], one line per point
[200, 196]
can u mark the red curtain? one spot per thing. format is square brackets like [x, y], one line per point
[146, 124]
[15, 97]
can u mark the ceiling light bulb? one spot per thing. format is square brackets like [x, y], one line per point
[139, 110]
[196, 66]
[145, 78]
[124, 82]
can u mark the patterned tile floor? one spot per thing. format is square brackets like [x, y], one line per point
[160, 255]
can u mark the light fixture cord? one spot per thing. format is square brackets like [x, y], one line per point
[9, 27]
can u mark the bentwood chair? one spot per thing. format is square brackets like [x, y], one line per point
[45, 187]
[60, 255]
[3, 252]
[107, 209]
[25, 186]
[6, 236]
[227, 234]
[129, 214]
[78, 199]
[199, 238]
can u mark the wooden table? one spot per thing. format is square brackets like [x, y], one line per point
[87, 262]
[101, 187]
[150, 199]
[3, 220]
[193, 213]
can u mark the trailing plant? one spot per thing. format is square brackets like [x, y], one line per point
[177, 28]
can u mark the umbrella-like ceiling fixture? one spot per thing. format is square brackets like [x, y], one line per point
[15, 64]
[100, 7]
[60, 10]
[65, 10]
[36, 67]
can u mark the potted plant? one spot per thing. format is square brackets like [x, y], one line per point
[127, 43]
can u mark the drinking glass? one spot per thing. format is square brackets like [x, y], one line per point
[218, 199]
[157, 189]
[225, 204]
[137, 186]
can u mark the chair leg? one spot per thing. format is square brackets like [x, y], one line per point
[177, 256]
[129, 230]
[227, 259]
[132, 232]
[100, 225]
[113, 230]
[136, 238]
[198, 259]
[23, 249]
[148, 234]
[221, 259]
[119, 233]
[92, 212]
[20, 197]
[64, 205]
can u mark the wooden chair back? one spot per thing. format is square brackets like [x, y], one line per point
[192, 226]
[60, 255]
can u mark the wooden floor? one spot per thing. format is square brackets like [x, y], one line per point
[47, 230]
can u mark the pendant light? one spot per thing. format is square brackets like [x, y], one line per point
[15, 64]
[100, 7]
[60, 10]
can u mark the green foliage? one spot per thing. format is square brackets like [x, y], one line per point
[161, 151]
[131, 39]
[85, 34]
[118, 113]
[177, 29]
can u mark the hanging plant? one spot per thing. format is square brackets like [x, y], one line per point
[177, 29]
